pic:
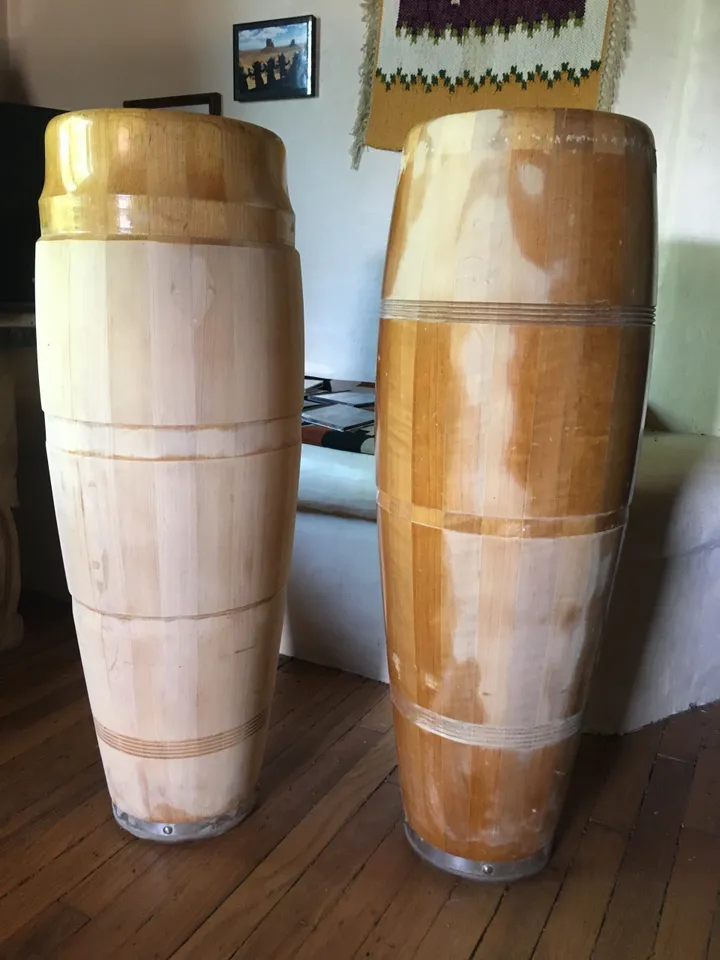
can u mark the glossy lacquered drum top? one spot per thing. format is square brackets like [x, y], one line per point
[514, 348]
[170, 345]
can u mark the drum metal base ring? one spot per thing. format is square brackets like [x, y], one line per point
[480, 870]
[183, 832]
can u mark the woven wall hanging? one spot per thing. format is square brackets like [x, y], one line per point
[426, 58]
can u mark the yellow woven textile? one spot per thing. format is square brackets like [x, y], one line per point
[427, 58]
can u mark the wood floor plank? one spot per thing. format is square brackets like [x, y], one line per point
[325, 729]
[691, 899]
[632, 917]
[292, 920]
[341, 932]
[401, 929]
[31, 850]
[290, 728]
[523, 912]
[109, 882]
[235, 920]
[322, 870]
[687, 733]
[44, 934]
[38, 666]
[13, 700]
[167, 903]
[31, 781]
[574, 923]
[49, 884]
[42, 708]
[297, 686]
[381, 717]
[461, 922]
[520, 919]
[55, 713]
[34, 822]
[130, 863]
[714, 945]
[322, 729]
[619, 801]
[703, 811]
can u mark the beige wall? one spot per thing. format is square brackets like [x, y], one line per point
[76, 53]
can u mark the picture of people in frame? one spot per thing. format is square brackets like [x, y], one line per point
[275, 59]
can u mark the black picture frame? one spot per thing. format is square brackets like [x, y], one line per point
[213, 102]
[293, 79]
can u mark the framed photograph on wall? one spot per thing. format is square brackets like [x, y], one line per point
[208, 103]
[275, 59]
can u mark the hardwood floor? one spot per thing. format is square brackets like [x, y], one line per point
[321, 869]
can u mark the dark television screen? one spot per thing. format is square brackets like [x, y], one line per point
[22, 171]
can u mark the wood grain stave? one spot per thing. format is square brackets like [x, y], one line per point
[513, 357]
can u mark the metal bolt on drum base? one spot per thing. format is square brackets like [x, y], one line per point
[479, 870]
[183, 832]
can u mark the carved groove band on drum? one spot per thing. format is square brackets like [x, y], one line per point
[171, 443]
[215, 614]
[180, 749]
[484, 735]
[572, 314]
[521, 528]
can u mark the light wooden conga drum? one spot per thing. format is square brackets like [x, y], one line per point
[514, 348]
[170, 346]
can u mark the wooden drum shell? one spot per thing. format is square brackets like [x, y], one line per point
[513, 357]
[170, 346]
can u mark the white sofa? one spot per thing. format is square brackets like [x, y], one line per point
[334, 610]
[661, 651]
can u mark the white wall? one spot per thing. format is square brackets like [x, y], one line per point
[92, 53]
[672, 82]
[76, 53]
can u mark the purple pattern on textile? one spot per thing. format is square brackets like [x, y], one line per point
[437, 15]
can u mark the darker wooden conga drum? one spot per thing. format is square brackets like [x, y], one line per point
[514, 348]
[170, 345]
